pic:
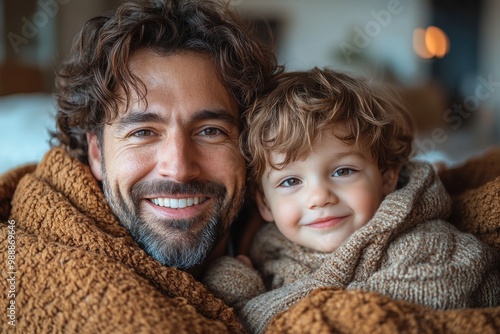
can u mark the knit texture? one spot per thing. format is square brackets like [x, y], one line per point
[407, 252]
[79, 271]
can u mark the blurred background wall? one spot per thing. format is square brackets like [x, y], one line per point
[444, 54]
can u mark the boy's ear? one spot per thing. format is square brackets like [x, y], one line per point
[264, 210]
[94, 155]
[390, 180]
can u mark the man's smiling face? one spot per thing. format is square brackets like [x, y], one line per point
[171, 168]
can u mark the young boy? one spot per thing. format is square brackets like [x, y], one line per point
[329, 156]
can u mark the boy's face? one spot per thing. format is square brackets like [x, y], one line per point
[318, 202]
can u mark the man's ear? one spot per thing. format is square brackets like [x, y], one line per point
[94, 153]
[390, 180]
[264, 210]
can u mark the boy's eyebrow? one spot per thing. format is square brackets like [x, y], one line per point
[349, 153]
[138, 117]
[339, 155]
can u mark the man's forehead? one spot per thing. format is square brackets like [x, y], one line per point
[186, 82]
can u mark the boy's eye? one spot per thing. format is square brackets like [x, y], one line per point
[290, 182]
[343, 172]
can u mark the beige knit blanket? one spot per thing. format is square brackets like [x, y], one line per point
[407, 252]
[77, 270]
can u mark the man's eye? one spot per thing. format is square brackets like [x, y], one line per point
[143, 133]
[343, 172]
[211, 132]
[290, 182]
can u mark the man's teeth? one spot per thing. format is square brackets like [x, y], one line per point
[177, 203]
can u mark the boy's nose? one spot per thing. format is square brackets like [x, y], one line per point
[321, 195]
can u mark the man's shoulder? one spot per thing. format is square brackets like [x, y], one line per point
[8, 184]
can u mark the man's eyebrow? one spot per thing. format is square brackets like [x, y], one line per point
[138, 117]
[217, 114]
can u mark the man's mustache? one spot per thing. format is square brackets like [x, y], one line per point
[166, 187]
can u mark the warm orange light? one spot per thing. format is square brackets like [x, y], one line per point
[419, 44]
[436, 41]
[431, 42]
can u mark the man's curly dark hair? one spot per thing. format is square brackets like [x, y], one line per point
[89, 82]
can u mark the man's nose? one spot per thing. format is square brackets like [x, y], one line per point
[178, 159]
[320, 195]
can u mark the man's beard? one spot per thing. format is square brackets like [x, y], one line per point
[181, 243]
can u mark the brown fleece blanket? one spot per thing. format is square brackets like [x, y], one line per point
[78, 270]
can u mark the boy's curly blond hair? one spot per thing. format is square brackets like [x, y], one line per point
[298, 106]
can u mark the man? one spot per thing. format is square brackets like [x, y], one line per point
[161, 132]
[147, 174]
